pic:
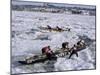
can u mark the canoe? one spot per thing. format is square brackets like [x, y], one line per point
[36, 59]
[42, 58]
[54, 29]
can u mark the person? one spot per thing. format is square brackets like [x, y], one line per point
[68, 29]
[73, 51]
[80, 43]
[65, 46]
[59, 29]
[47, 51]
[49, 27]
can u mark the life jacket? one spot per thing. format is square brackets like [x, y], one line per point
[49, 27]
[46, 50]
[81, 44]
[58, 28]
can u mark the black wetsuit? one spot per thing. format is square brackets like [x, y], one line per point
[59, 28]
[64, 45]
[49, 27]
[73, 52]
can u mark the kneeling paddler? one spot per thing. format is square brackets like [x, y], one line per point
[65, 47]
[58, 28]
[47, 51]
[74, 50]
[49, 27]
[80, 44]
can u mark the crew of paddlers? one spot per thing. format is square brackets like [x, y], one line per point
[57, 28]
[65, 47]
[48, 53]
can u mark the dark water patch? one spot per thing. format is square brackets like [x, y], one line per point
[15, 59]
[30, 32]
[19, 16]
[43, 38]
[92, 28]
[43, 18]
[13, 34]
[83, 28]
[17, 21]
[33, 29]
[87, 40]
[92, 46]
[84, 56]
[49, 66]
[76, 27]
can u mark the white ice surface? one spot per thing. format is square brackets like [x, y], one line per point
[27, 42]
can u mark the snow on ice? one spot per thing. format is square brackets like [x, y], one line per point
[28, 39]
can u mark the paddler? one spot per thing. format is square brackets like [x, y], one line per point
[47, 51]
[75, 48]
[59, 29]
[80, 44]
[73, 51]
[65, 47]
[49, 27]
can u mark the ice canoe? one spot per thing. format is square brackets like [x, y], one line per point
[42, 58]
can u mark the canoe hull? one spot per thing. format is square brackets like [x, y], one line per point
[32, 61]
[41, 58]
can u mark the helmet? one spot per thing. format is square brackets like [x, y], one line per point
[48, 46]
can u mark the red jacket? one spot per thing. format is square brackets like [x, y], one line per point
[46, 50]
